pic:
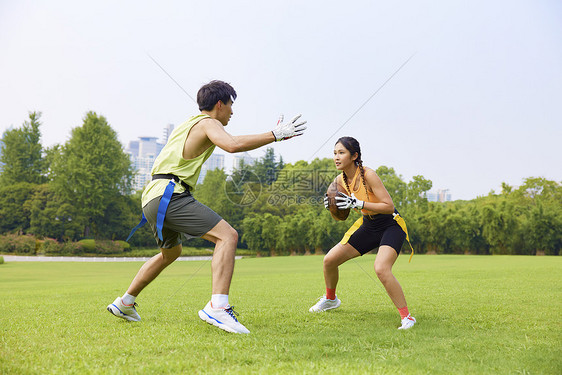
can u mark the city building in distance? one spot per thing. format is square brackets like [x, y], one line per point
[442, 195]
[242, 157]
[215, 161]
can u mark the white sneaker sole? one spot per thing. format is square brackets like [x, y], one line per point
[212, 321]
[326, 309]
[405, 328]
[118, 313]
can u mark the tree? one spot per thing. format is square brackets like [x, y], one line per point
[506, 189]
[252, 232]
[51, 156]
[296, 185]
[461, 229]
[281, 164]
[219, 195]
[545, 229]
[320, 228]
[143, 236]
[267, 168]
[500, 226]
[287, 239]
[416, 189]
[540, 202]
[115, 224]
[91, 171]
[14, 215]
[21, 153]
[432, 228]
[394, 184]
[271, 232]
[48, 216]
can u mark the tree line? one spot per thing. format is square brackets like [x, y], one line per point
[82, 190]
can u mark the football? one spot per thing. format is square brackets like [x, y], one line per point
[333, 190]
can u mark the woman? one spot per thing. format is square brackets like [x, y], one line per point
[377, 228]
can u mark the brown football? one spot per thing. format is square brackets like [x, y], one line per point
[333, 190]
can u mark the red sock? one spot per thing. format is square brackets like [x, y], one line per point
[331, 293]
[403, 312]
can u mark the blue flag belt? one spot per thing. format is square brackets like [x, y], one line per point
[163, 206]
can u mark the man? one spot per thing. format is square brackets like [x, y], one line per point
[171, 210]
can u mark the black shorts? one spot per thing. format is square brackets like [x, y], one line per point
[377, 230]
[185, 216]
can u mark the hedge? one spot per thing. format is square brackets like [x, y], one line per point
[16, 244]
[51, 247]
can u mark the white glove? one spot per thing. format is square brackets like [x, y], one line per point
[344, 201]
[288, 130]
[326, 205]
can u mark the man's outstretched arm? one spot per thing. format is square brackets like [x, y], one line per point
[239, 143]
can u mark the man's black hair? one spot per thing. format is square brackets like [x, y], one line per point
[212, 92]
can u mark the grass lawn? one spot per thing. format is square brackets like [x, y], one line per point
[476, 315]
[187, 251]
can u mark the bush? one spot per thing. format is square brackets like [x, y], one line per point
[6, 244]
[39, 247]
[74, 248]
[109, 247]
[16, 244]
[1, 260]
[124, 245]
[25, 245]
[51, 247]
[89, 245]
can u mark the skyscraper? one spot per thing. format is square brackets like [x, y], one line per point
[242, 157]
[442, 195]
[168, 129]
[215, 161]
[143, 152]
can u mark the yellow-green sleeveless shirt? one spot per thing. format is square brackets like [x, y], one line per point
[171, 161]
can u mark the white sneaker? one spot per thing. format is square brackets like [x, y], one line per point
[408, 322]
[325, 304]
[122, 311]
[223, 318]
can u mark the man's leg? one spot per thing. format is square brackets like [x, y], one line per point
[124, 307]
[152, 268]
[218, 312]
[225, 238]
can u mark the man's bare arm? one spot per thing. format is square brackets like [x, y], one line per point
[234, 143]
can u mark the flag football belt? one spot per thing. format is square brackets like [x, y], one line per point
[164, 202]
[402, 224]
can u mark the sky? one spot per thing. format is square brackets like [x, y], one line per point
[463, 93]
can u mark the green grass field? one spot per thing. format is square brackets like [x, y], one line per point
[476, 315]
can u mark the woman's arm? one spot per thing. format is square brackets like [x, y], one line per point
[384, 204]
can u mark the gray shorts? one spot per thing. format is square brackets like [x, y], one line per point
[185, 216]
